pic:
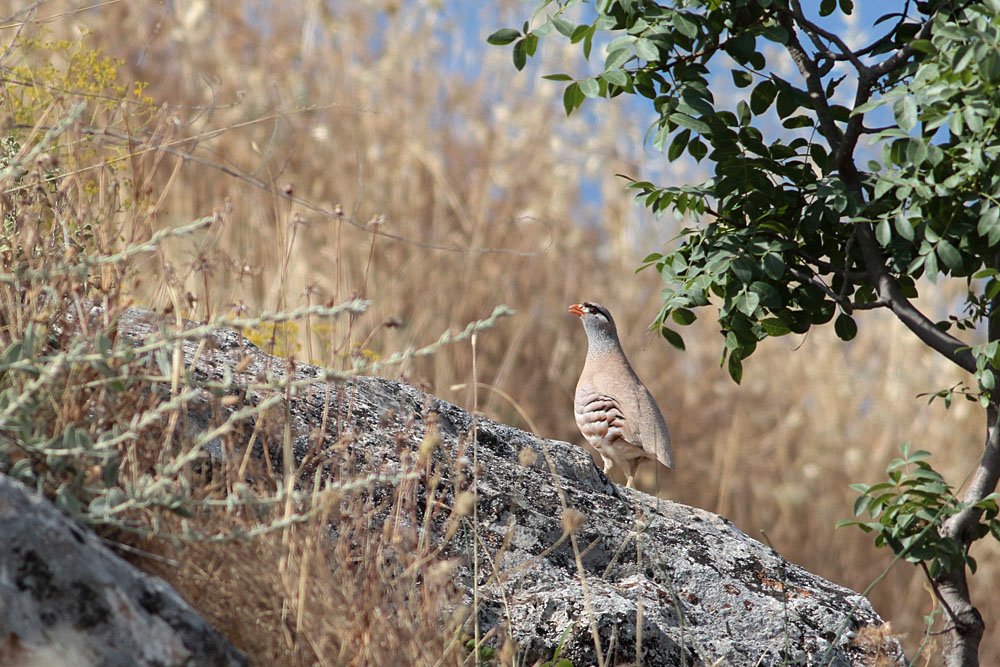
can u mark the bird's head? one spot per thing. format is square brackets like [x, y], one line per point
[597, 321]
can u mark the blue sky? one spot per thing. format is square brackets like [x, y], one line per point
[477, 20]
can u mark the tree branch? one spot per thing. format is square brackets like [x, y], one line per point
[987, 475]
[900, 57]
[846, 304]
[871, 305]
[962, 642]
[814, 81]
[813, 29]
[886, 37]
[885, 286]
[826, 267]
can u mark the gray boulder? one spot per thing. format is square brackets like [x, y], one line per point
[66, 599]
[706, 592]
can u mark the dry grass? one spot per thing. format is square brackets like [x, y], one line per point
[369, 592]
[390, 112]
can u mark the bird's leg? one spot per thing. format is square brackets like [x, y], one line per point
[633, 467]
[607, 466]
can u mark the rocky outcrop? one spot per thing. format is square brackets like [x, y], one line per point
[66, 599]
[705, 593]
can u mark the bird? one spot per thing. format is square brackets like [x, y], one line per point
[614, 410]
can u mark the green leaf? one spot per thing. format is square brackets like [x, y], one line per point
[747, 302]
[519, 55]
[905, 111]
[678, 145]
[883, 233]
[685, 25]
[558, 77]
[903, 226]
[845, 327]
[788, 102]
[743, 113]
[104, 345]
[683, 316]
[949, 255]
[565, 27]
[741, 79]
[775, 33]
[590, 87]
[735, 367]
[743, 268]
[616, 77]
[617, 58]
[867, 106]
[989, 221]
[580, 32]
[826, 7]
[109, 472]
[572, 97]
[741, 47]
[882, 186]
[530, 43]
[987, 380]
[691, 123]
[774, 266]
[697, 149]
[672, 337]
[646, 50]
[770, 298]
[762, 96]
[773, 326]
[503, 36]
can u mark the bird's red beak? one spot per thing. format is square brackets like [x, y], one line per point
[576, 309]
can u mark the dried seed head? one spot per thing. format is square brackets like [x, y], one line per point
[243, 364]
[572, 521]
[527, 457]
[429, 444]
[405, 536]
[464, 503]
[438, 575]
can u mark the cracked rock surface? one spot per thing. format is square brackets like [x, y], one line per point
[705, 592]
[66, 599]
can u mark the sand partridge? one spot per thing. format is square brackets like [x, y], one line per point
[614, 410]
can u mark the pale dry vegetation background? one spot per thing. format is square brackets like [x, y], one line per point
[395, 113]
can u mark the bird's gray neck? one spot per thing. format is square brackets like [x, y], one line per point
[601, 345]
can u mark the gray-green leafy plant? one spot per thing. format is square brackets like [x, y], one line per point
[832, 192]
[907, 510]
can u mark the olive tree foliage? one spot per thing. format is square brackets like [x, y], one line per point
[792, 231]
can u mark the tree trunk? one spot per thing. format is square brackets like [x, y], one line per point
[963, 621]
